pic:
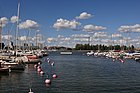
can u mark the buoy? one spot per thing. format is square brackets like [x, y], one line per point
[47, 58]
[113, 60]
[52, 64]
[54, 76]
[41, 72]
[39, 63]
[38, 67]
[122, 61]
[49, 61]
[35, 66]
[48, 81]
[30, 91]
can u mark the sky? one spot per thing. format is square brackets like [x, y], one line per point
[68, 22]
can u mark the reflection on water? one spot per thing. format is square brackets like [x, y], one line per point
[77, 73]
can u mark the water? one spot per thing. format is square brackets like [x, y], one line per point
[77, 73]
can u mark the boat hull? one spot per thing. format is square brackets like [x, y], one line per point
[4, 70]
[66, 53]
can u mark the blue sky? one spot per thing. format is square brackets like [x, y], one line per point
[111, 14]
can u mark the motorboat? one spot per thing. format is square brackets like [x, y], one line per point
[90, 53]
[13, 64]
[66, 52]
[4, 70]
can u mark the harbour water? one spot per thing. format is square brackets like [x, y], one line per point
[77, 73]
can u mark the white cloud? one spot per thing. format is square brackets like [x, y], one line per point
[22, 38]
[84, 15]
[90, 28]
[14, 19]
[122, 42]
[60, 36]
[100, 35]
[116, 35]
[3, 21]
[80, 36]
[29, 24]
[6, 37]
[130, 28]
[65, 24]
[50, 39]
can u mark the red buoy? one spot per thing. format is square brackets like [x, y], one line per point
[54, 76]
[39, 70]
[48, 81]
[38, 67]
[35, 66]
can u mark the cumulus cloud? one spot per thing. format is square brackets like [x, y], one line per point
[49, 40]
[22, 38]
[3, 21]
[122, 42]
[6, 37]
[116, 35]
[84, 15]
[14, 19]
[80, 35]
[130, 28]
[65, 24]
[100, 35]
[29, 24]
[59, 41]
[90, 28]
[106, 41]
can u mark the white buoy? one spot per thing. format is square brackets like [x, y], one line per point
[49, 61]
[42, 73]
[48, 81]
[52, 64]
[54, 76]
[113, 60]
[39, 63]
[30, 91]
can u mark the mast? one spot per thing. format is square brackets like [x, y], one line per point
[17, 27]
[0, 35]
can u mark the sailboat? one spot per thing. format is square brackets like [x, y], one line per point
[14, 62]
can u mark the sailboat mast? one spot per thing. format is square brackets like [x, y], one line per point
[17, 28]
[0, 35]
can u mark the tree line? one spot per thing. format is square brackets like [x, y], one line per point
[103, 47]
